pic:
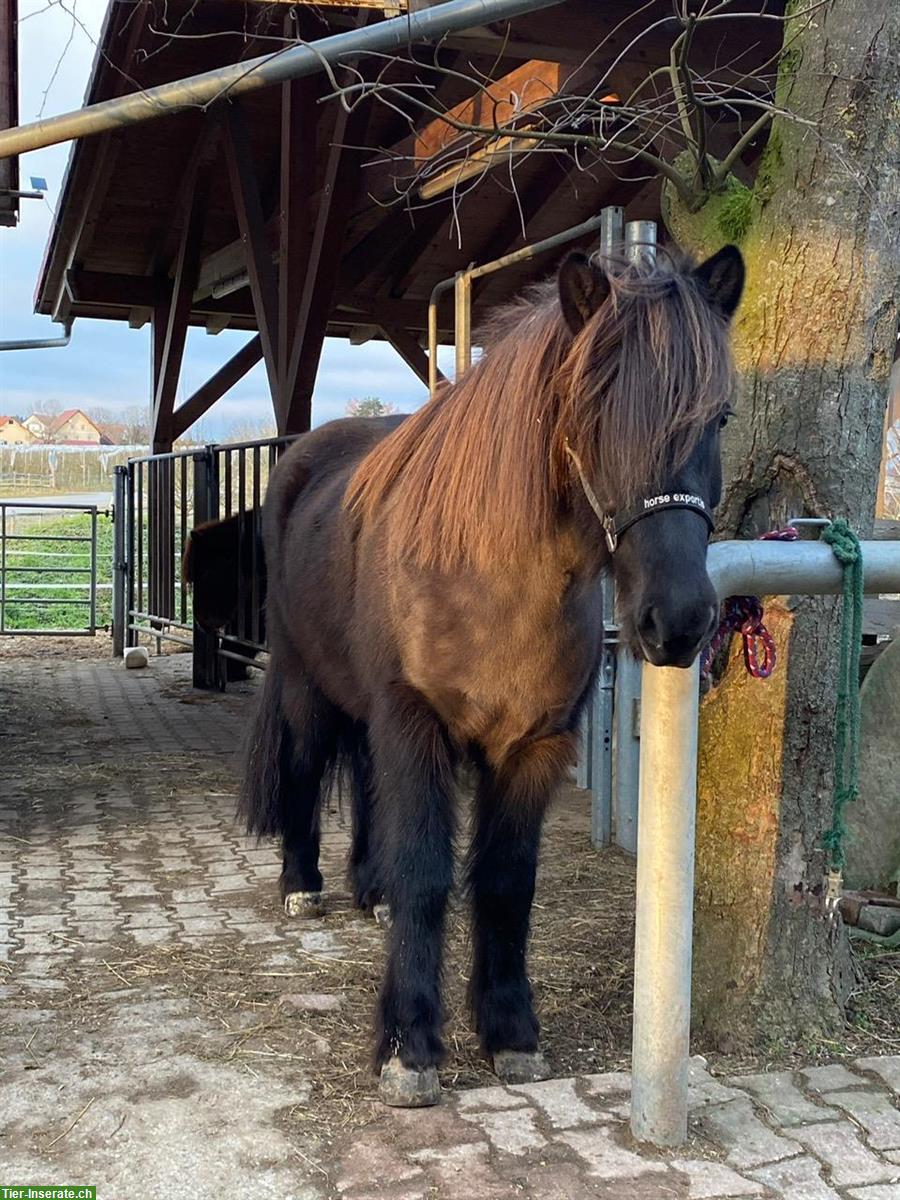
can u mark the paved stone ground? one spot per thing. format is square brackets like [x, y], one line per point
[118, 853]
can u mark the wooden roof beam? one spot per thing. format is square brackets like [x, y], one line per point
[168, 350]
[299, 119]
[409, 350]
[257, 255]
[216, 386]
[338, 190]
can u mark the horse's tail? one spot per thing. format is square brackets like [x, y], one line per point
[286, 759]
[268, 758]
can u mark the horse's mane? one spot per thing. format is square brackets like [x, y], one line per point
[479, 473]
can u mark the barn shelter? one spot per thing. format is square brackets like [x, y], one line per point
[285, 215]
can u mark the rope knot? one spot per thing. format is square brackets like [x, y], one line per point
[843, 542]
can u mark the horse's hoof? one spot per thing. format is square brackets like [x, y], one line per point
[382, 915]
[405, 1087]
[520, 1066]
[303, 904]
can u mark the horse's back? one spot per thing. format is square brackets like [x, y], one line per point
[313, 469]
[309, 548]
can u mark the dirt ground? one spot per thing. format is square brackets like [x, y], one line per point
[154, 998]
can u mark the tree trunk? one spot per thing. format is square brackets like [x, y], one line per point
[815, 342]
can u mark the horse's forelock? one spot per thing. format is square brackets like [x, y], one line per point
[643, 380]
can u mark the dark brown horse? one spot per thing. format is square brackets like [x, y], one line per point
[219, 563]
[434, 597]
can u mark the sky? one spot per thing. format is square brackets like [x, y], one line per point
[106, 364]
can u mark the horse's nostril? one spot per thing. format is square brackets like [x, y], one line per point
[670, 635]
[649, 627]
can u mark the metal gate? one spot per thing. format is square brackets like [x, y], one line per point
[48, 568]
[160, 498]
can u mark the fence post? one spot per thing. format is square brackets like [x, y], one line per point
[120, 565]
[133, 529]
[206, 661]
[599, 717]
[640, 245]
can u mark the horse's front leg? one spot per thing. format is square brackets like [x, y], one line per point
[413, 762]
[509, 810]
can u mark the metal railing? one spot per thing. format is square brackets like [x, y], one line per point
[160, 499]
[18, 550]
[666, 821]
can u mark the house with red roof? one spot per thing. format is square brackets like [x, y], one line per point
[14, 433]
[70, 428]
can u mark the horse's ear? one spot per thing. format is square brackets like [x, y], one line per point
[583, 287]
[722, 278]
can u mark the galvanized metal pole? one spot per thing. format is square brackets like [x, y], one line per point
[120, 566]
[93, 596]
[640, 245]
[488, 268]
[664, 921]
[462, 298]
[640, 241]
[612, 227]
[436, 293]
[39, 343]
[199, 91]
[601, 713]
[665, 901]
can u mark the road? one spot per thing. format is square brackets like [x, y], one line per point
[25, 503]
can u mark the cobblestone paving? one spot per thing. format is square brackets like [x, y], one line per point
[116, 832]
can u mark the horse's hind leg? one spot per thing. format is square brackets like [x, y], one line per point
[307, 754]
[366, 866]
[509, 810]
[414, 773]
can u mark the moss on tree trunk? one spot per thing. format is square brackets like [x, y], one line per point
[815, 340]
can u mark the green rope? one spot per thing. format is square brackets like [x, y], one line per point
[845, 544]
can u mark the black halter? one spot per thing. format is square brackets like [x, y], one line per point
[615, 524]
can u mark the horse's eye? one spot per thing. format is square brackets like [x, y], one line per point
[723, 420]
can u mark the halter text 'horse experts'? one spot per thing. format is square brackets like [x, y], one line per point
[434, 598]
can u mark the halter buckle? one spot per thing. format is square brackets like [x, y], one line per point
[609, 528]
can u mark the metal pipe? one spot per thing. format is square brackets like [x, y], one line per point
[664, 919]
[665, 898]
[640, 246]
[39, 343]
[804, 568]
[436, 292]
[119, 565]
[462, 298]
[640, 241]
[424, 25]
[600, 714]
[612, 225]
[537, 248]
[497, 264]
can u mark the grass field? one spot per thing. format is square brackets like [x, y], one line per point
[38, 571]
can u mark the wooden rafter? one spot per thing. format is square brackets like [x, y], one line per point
[408, 349]
[298, 173]
[216, 386]
[248, 208]
[169, 347]
[338, 190]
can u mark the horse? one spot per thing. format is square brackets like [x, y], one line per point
[218, 562]
[434, 602]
